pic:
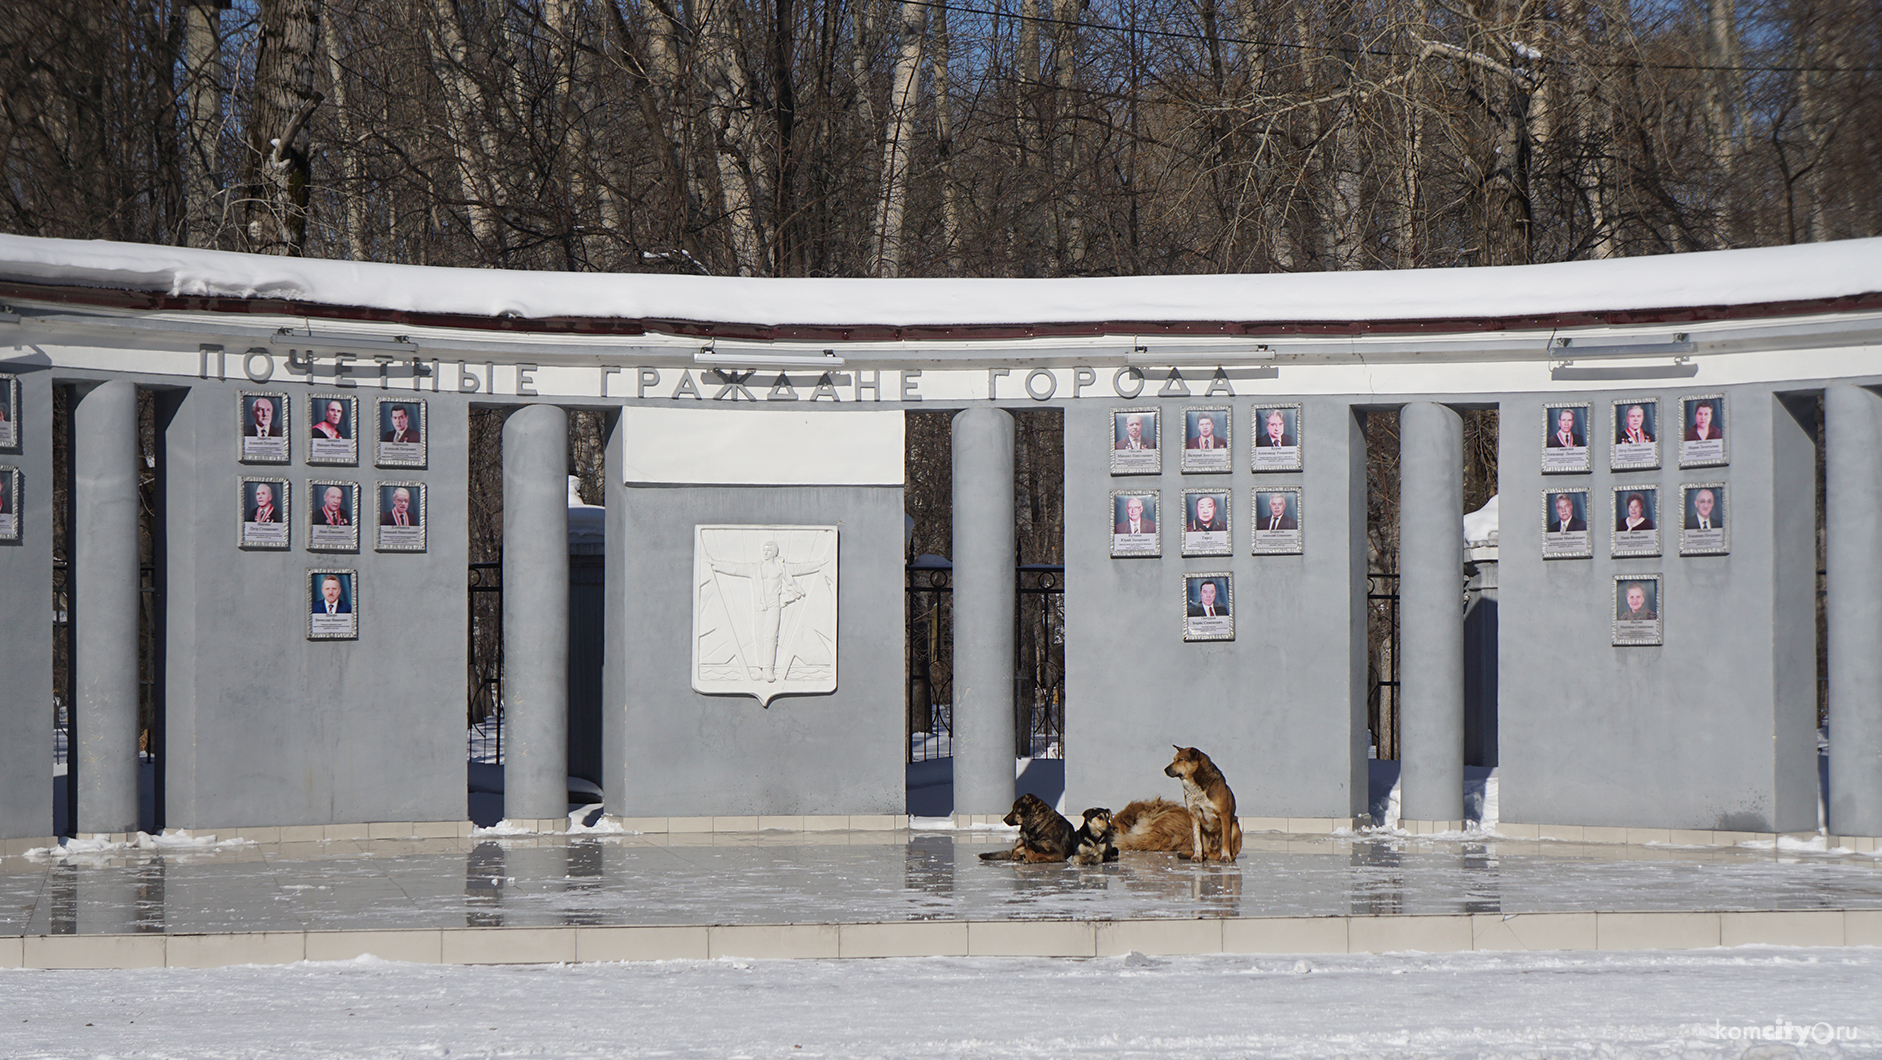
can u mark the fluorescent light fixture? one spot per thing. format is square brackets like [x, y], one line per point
[1621, 346]
[767, 359]
[1570, 373]
[1211, 355]
[285, 337]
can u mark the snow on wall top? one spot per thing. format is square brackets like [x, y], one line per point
[1714, 278]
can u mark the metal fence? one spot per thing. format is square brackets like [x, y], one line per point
[1039, 662]
[484, 706]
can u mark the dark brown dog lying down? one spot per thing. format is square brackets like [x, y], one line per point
[1043, 834]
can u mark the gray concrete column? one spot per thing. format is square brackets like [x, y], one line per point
[1853, 603]
[535, 613]
[1431, 613]
[105, 606]
[984, 603]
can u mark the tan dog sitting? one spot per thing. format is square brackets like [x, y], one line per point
[1211, 805]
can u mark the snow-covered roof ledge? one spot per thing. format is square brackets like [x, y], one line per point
[1766, 281]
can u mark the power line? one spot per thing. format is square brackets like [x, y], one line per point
[1389, 53]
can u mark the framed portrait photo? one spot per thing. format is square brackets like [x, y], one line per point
[1702, 531]
[1134, 515]
[1277, 522]
[262, 505]
[1702, 435]
[1637, 606]
[335, 429]
[262, 420]
[402, 432]
[1134, 442]
[1636, 434]
[402, 517]
[1206, 523]
[9, 503]
[1208, 606]
[332, 604]
[1276, 430]
[1565, 530]
[1206, 440]
[1636, 521]
[9, 412]
[333, 516]
[1565, 439]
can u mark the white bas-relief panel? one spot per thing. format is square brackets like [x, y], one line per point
[764, 610]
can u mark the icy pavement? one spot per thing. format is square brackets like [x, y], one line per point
[871, 877]
[1718, 1003]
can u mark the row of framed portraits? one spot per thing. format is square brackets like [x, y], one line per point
[1137, 440]
[1137, 518]
[1635, 518]
[265, 509]
[264, 419]
[333, 603]
[1634, 426]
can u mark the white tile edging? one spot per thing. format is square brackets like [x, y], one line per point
[1441, 933]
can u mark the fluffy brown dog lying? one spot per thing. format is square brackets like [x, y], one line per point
[1043, 834]
[1211, 805]
[1152, 824]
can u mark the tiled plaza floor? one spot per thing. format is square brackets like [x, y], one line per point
[880, 876]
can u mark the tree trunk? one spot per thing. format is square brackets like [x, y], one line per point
[351, 192]
[277, 132]
[203, 194]
[900, 140]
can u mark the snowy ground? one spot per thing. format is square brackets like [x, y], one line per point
[1403, 1005]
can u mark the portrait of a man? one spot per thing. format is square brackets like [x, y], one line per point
[1138, 519]
[400, 426]
[331, 597]
[398, 510]
[1134, 524]
[1277, 438]
[335, 509]
[1703, 510]
[334, 599]
[333, 422]
[1567, 520]
[1140, 431]
[1634, 429]
[1567, 433]
[401, 433]
[1206, 516]
[1276, 518]
[1207, 605]
[263, 419]
[1205, 436]
[262, 509]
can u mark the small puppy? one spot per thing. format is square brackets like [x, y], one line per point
[1043, 834]
[1152, 824]
[1095, 842]
[1211, 806]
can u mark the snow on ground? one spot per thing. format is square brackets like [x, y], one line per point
[1717, 1003]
